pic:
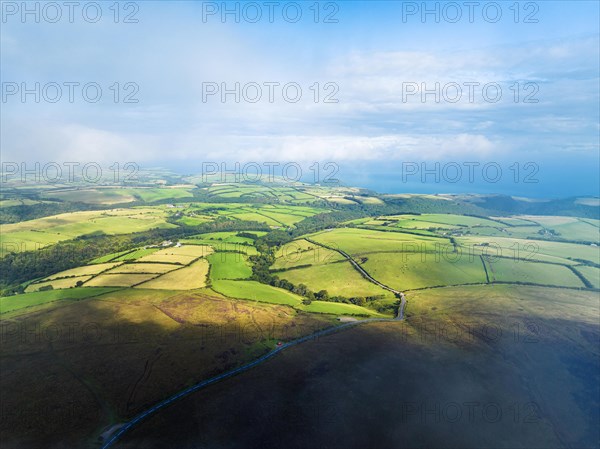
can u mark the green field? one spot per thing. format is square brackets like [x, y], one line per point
[412, 271]
[302, 252]
[509, 270]
[180, 255]
[338, 279]
[222, 246]
[18, 302]
[256, 291]
[34, 234]
[229, 266]
[592, 274]
[362, 241]
[109, 195]
[338, 308]
[534, 249]
[136, 254]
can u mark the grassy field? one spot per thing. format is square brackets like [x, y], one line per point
[339, 279]
[509, 270]
[159, 268]
[302, 252]
[441, 220]
[187, 278]
[252, 290]
[34, 234]
[57, 283]
[118, 280]
[109, 257]
[222, 246]
[111, 195]
[26, 300]
[136, 254]
[592, 274]
[83, 271]
[100, 196]
[535, 249]
[361, 241]
[182, 255]
[410, 271]
[256, 291]
[229, 266]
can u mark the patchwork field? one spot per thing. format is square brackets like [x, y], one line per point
[180, 255]
[187, 278]
[34, 234]
[83, 271]
[58, 283]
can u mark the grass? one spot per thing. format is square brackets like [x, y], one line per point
[535, 249]
[256, 291]
[159, 268]
[592, 274]
[109, 257]
[33, 234]
[25, 300]
[229, 266]
[112, 195]
[118, 280]
[187, 278]
[182, 255]
[126, 350]
[57, 283]
[136, 254]
[229, 237]
[339, 279]
[410, 271]
[415, 373]
[222, 246]
[509, 270]
[337, 308]
[84, 270]
[363, 241]
[104, 196]
[302, 252]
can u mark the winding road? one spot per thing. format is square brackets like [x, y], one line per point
[122, 428]
[361, 270]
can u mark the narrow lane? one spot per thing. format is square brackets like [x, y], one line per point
[124, 427]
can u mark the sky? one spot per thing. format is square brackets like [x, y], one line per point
[396, 94]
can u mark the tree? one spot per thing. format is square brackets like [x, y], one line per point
[322, 295]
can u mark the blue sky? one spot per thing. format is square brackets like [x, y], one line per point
[371, 57]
